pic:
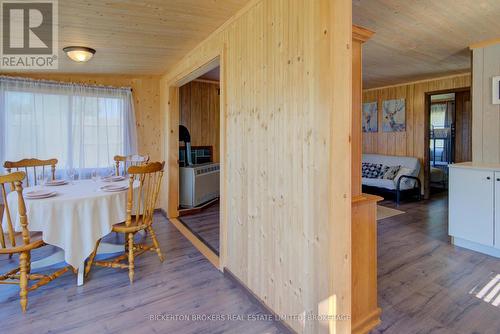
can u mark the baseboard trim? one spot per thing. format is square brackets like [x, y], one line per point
[255, 299]
[488, 250]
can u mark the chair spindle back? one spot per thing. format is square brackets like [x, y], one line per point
[28, 165]
[129, 160]
[149, 177]
[15, 178]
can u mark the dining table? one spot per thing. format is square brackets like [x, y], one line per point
[73, 218]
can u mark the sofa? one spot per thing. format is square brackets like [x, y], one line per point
[394, 174]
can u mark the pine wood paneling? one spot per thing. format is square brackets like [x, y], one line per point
[199, 112]
[285, 153]
[412, 142]
[137, 37]
[151, 36]
[486, 115]
[146, 92]
[422, 39]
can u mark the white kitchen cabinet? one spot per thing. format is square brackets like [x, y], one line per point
[474, 207]
[497, 210]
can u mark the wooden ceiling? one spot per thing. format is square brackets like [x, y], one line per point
[420, 39]
[415, 39]
[137, 36]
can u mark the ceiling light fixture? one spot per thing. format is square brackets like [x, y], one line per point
[79, 54]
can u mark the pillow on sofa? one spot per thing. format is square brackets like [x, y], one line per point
[405, 171]
[371, 171]
[389, 172]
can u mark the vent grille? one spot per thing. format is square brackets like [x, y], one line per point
[207, 169]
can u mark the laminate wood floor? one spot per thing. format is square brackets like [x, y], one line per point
[186, 284]
[205, 225]
[424, 281]
[424, 285]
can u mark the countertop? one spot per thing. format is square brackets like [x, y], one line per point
[476, 165]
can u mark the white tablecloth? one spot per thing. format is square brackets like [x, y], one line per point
[78, 216]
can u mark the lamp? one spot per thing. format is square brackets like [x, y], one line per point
[79, 53]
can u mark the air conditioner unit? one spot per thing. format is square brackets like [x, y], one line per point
[198, 184]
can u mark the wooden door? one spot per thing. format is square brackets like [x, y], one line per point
[463, 127]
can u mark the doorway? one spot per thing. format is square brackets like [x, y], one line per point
[199, 157]
[449, 136]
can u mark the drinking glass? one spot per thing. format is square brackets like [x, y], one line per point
[40, 180]
[71, 175]
[94, 175]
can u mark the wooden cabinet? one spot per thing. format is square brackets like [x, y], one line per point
[364, 311]
[474, 207]
[471, 205]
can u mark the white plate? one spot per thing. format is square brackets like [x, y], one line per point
[56, 183]
[113, 179]
[38, 194]
[114, 188]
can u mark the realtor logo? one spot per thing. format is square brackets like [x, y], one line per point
[29, 34]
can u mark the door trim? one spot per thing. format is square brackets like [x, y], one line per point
[427, 119]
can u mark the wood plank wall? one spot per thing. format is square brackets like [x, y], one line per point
[486, 115]
[286, 82]
[146, 92]
[412, 142]
[200, 113]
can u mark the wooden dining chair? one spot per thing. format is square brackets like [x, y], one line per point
[129, 160]
[32, 165]
[141, 204]
[21, 243]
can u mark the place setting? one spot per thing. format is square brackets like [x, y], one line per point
[39, 191]
[114, 183]
[55, 183]
[113, 178]
[114, 187]
[39, 194]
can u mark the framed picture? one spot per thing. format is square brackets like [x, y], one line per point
[496, 90]
[370, 117]
[394, 115]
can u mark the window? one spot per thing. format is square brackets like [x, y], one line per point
[438, 114]
[82, 126]
[438, 121]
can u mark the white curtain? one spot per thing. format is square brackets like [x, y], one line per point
[438, 115]
[82, 126]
